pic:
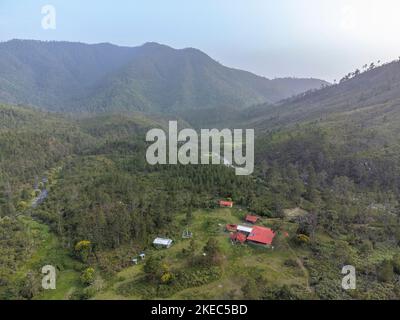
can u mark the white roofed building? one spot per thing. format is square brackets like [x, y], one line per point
[244, 229]
[162, 242]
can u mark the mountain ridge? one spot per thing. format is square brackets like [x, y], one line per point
[78, 77]
[373, 91]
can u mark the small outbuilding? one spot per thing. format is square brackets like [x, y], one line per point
[251, 218]
[226, 204]
[231, 227]
[162, 242]
[238, 237]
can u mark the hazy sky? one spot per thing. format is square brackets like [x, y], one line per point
[274, 38]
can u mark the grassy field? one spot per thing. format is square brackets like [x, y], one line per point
[239, 261]
[285, 264]
[50, 252]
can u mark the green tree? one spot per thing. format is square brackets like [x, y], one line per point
[396, 263]
[153, 268]
[213, 252]
[385, 271]
[83, 250]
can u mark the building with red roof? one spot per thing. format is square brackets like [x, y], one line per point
[231, 227]
[261, 235]
[238, 237]
[251, 218]
[226, 204]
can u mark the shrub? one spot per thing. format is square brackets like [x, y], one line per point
[290, 263]
[396, 263]
[87, 276]
[213, 252]
[385, 271]
[83, 249]
[302, 239]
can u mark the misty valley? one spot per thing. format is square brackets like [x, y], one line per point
[79, 194]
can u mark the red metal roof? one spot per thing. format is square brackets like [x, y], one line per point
[226, 203]
[237, 236]
[251, 218]
[231, 227]
[240, 237]
[261, 235]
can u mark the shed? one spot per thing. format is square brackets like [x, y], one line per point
[231, 227]
[251, 218]
[162, 242]
[238, 237]
[226, 204]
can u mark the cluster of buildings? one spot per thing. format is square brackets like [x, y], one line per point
[251, 233]
[248, 233]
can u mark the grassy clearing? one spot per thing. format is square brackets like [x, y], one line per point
[50, 252]
[239, 261]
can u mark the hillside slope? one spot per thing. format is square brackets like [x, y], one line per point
[33, 141]
[64, 76]
[364, 99]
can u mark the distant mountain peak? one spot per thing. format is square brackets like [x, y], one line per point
[72, 76]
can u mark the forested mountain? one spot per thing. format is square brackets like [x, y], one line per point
[76, 77]
[350, 129]
[358, 119]
[363, 97]
[33, 141]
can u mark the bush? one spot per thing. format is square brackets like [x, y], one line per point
[188, 278]
[366, 247]
[385, 271]
[302, 239]
[213, 252]
[250, 290]
[83, 249]
[396, 263]
[290, 263]
[87, 276]
[166, 277]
